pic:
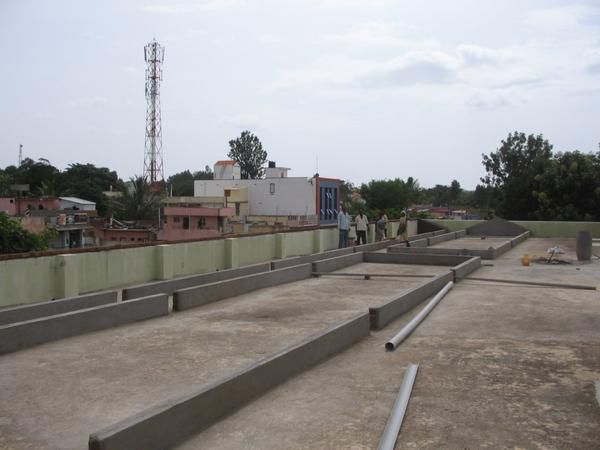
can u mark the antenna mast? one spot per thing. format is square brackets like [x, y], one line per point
[154, 55]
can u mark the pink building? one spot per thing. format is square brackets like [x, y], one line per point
[187, 218]
[21, 206]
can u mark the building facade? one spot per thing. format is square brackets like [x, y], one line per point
[309, 200]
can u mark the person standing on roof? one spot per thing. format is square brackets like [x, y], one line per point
[403, 228]
[380, 228]
[343, 226]
[362, 224]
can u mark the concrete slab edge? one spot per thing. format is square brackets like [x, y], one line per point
[384, 314]
[415, 257]
[438, 239]
[296, 260]
[193, 297]
[332, 264]
[170, 286]
[483, 254]
[502, 249]
[171, 422]
[54, 307]
[374, 246]
[39, 331]
[519, 239]
[464, 269]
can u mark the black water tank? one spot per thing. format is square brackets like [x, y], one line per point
[272, 164]
[583, 247]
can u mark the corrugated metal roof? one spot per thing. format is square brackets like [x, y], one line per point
[77, 200]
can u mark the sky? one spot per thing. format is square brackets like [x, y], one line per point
[351, 89]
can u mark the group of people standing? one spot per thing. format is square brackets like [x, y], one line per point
[362, 225]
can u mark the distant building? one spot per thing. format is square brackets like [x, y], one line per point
[75, 203]
[68, 216]
[186, 218]
[275, 199]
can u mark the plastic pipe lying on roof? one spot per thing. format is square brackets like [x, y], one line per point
[392, 428]
[410, 326]
[533, 283]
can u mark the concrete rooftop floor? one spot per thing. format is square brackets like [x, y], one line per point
[501, 366]
[473, 243]
[53, 396]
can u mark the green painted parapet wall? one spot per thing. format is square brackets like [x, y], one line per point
[30, 280]
[537, 228]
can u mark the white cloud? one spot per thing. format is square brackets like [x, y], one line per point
[591, 61]
[269, 38]
[85, 102]
[352, 3]
[414, 68]
[129, 70]
[476, 55]
[188, 6]
[377, 34]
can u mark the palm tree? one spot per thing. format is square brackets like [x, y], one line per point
[138, 201]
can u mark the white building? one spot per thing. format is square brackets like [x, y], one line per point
[275, 195]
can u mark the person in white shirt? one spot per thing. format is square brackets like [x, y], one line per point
[344, 226]
[362, 224]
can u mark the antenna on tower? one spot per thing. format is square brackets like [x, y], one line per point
[154, 55]
[20, 155]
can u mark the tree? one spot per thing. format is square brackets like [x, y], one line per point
[15, 239]
[248, 152]
[482, 196]
[511, 171]
[182, 184]
[454, 192]
[89, 182]
[206, 174]
[569, 188]
[390, 196]
[41, 176]
[138, 201]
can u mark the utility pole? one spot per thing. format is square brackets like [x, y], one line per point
[20, 155]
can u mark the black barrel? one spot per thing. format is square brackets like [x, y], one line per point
[584, 245]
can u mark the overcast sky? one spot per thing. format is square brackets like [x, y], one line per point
[371, 88]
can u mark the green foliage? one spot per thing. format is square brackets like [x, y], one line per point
[206, 174]
[88, 182]
[386, 194]
[511, 171]
[182, 184]
[15, 239]
[248, 152]
[138, 201]
[569, 188]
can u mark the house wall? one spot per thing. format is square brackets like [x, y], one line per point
[8, 205]
[292, 196]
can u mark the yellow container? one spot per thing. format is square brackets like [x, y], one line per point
[525, 260]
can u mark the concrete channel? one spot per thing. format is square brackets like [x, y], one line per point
[479, 385]
[76, 386]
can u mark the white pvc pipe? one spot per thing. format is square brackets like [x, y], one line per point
[410, 326]
[392, 428]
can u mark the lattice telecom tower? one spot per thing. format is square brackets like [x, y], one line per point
[154, 55]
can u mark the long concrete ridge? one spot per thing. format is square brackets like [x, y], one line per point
[171, 422]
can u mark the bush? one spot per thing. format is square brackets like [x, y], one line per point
[15, 239]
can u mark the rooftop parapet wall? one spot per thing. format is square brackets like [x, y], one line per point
[537, 228]
[37, 279]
